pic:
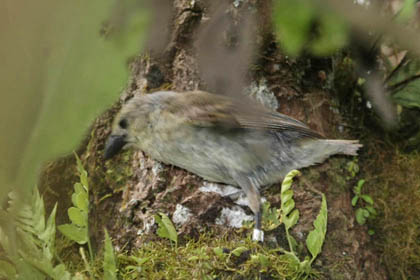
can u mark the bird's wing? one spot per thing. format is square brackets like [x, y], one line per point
[209, 110]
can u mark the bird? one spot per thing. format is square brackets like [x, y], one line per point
[221, 139]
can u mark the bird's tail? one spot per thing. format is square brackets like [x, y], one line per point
[346, 147]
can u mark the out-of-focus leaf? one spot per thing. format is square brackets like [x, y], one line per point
[293, 22]
[367, 198]
[332, 35]
[58, 73]
[407, 11]
[7, 270]
[371, 210]
[409, 96]
[60, 272]
[354, 200]
[360, 216]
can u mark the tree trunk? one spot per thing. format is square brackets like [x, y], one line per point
[126, 191]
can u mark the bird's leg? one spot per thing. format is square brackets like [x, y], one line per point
[250, 187]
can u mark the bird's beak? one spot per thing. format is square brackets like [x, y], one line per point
[113, 145]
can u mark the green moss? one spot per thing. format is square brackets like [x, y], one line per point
[395, 187]
[118, 171]
[209, 257]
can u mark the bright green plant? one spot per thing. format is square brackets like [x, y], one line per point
[366, 209]
[28, 243]
[271, 217]
[77, 230]
[353, 168]
[290, 217]
[31, 253]
[166, 228]
[110, 263]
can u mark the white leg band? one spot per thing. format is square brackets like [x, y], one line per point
[258, 235]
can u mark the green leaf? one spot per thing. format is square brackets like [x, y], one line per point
[286, 196]
[7, 270]
[367, 198]
[316, 237]
[409, 96]
[193, 258]
[166, 228]
[288, 180]
[292, 20]
[139, 261]
[110, 264]
[78, 188]
[73, 73]
[332, 34]
[260, 259]
[365, 213]
[358, 189]
[74, 233]
[81, 200]
[354, 200]
[360, 216]
[407, 11]
[28, 271]
[77, 216]
[293, 244]
[271, 217]
[288, 206]
[218, 252]
[48, 235]
[238, 251]
[60, 273]
[371, 210]
[291, 220]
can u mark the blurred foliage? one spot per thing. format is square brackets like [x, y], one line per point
[302, 25]
[58, 73]
[407, 10]
[31, 255]
[406, 84]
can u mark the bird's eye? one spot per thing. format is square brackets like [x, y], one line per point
[123, 123]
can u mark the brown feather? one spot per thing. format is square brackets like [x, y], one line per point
[206, 110]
